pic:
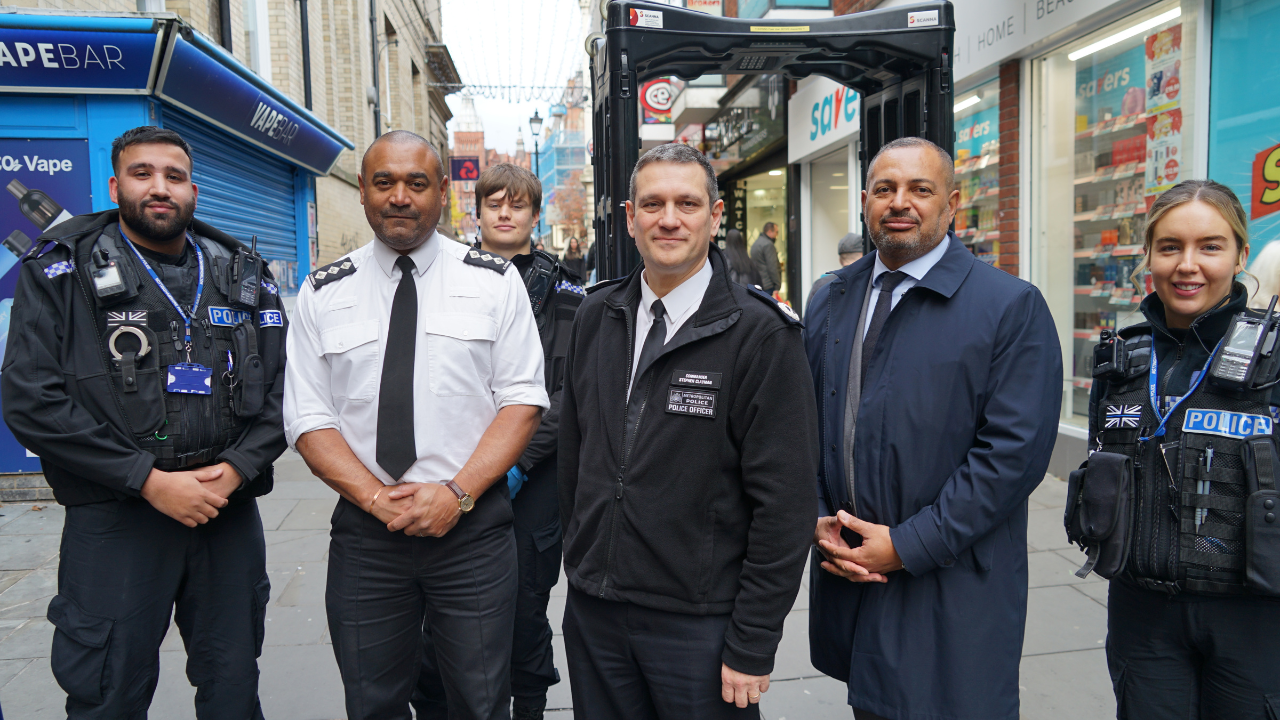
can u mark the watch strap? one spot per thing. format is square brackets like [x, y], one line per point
[457, 489]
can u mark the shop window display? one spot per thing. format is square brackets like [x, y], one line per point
[977, 157]
[1116, 132]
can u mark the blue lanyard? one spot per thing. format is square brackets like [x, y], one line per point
[187, 318]
[1153, 378]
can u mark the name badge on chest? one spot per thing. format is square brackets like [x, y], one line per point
[683, 401]
[696, 379]
[190, 379]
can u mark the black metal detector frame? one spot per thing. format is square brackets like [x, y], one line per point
[899, 60]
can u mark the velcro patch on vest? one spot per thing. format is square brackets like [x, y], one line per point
[270, 318]
[1226, 424]
[696, 379]
[227, 317]
[128, 317]
[692, 402]
[1123, 416]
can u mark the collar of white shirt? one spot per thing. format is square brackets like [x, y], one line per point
[917, 268]
[680, 302]
[422, 256]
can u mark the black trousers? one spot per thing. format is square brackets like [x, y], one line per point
[538, 550]
[633, 663]
[1193, 657]
[125, 567]
[384, 586]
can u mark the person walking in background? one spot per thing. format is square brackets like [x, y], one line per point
[1193, 608]
[590, 265]
[416, 383]
[575, 260]
[742, 269]
[765, 255]
[849, 251]
[918, 588]
[688, 448]
[1266, 273]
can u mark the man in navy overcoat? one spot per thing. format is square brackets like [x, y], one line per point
[939, 383]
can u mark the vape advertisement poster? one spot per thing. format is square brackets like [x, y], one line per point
[45, 182]
[1164, 151]
[1164, 68]
[1108, 88]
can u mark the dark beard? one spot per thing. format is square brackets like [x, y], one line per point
[158, 230]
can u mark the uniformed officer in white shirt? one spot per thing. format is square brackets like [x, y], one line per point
[415, 381]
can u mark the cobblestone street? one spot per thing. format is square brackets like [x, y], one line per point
[1063, 666]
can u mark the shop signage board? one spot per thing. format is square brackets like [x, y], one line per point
[44, 182]
[47, 60]
[464, 169]
[977, 130]
[198, 82]
[821, 113]
[990, 31]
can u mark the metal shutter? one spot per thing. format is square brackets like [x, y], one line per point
[244, 191]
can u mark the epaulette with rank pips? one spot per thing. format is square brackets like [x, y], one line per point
[483, 259]
[788, 314]
[331, 273]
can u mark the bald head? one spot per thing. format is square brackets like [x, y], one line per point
[403, 139]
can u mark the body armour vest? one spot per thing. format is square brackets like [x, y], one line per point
[186, 429]
[1189, 485]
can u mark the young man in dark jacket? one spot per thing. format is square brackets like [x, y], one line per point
[688, 448]
[126, 373]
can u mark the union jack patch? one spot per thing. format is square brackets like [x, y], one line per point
[1123, 416]
[129, 317]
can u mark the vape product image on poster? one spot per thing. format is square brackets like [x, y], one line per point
[18, 243]
[38, 207]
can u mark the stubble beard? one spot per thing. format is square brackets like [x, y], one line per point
[904, 249]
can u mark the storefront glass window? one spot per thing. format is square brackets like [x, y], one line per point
[977, 156]
[1114, 125]
[766, 196]
[829, 181]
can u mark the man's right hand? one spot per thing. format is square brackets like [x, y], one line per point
[183, 496]
[827, 537]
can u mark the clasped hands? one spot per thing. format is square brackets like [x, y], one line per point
[192, 497]
[869, 562]
[419, 509]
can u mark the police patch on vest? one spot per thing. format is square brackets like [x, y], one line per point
[692, 402]
[1123, 416]
[270, 318]
[1226, 424]
[692, 378]
[227, 317]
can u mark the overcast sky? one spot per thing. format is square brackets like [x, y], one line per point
[511, 42]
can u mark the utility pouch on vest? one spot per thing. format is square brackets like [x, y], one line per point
[1098, 515]
[1262, 517]
[249, 382]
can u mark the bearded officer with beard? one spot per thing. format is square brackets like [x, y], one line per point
[145, 367]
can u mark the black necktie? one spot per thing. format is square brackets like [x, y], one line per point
[884, 304]
[654, 341]
[396, 448]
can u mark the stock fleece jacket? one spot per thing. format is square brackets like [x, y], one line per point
[708, 508]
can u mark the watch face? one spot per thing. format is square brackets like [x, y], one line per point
[466, 503]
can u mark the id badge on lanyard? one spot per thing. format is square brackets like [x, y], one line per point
[188, 378]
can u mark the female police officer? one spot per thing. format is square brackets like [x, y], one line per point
[1177, 502]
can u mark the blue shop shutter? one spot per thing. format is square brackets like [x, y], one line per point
[244, 191]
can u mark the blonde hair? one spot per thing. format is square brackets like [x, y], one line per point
[1266, 270]
[1215, 194]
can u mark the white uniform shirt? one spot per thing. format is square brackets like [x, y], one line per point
[679, 304]
[915, 271]
[477, 351]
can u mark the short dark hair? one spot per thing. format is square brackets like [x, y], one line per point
[768, 226]
[515, 180]
[144, 135]
[948, 165]
[404, 137]
[680, 154]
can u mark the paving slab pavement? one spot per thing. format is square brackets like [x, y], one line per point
[1063, 668]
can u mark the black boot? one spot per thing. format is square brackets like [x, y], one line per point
[529, 708]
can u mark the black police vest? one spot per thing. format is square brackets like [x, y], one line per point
[1171, 547]
[182, 429]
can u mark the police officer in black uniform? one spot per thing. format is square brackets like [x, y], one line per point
[508, 203]
[1177, 504]
[145, 367]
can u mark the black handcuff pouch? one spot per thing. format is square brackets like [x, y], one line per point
[249, 379]
[1098, 514]
[1261, 516]
[137, 376]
